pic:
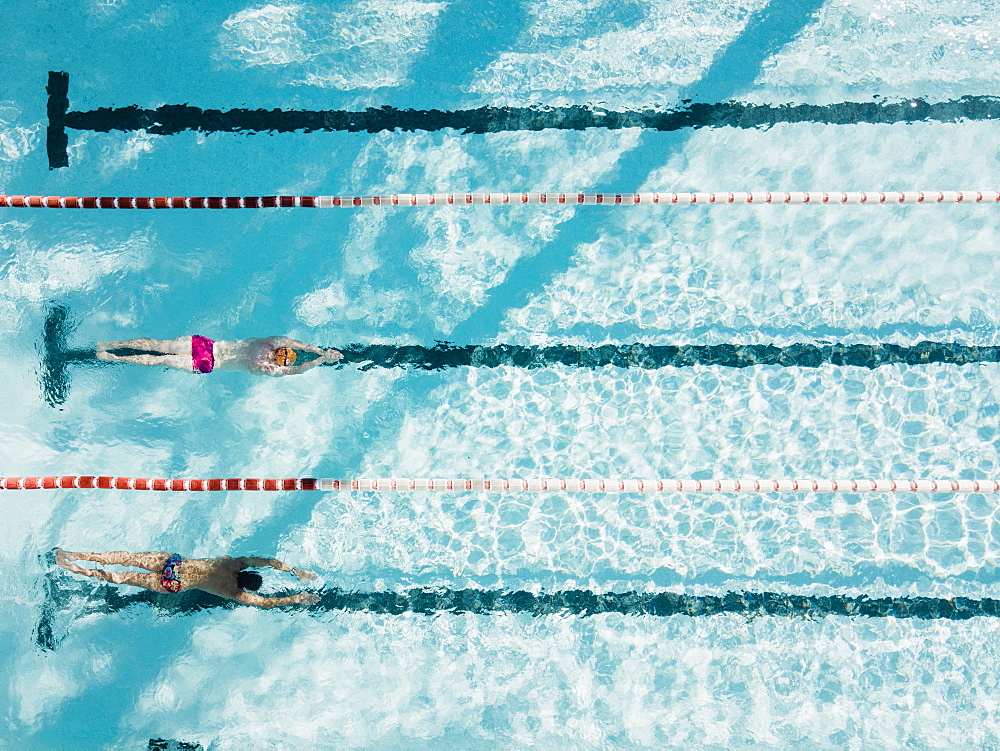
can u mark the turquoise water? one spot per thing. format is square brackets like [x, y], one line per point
[117, 676]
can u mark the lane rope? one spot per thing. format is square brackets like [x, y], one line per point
[479, 199]
[585, 485]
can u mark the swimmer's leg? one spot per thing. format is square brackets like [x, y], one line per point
[144, 345]
[179, 346]
[132, 578]
[181, 362]
[149, 561]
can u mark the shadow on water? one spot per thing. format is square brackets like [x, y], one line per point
[730, 74]
[67, 600]
[444, 70]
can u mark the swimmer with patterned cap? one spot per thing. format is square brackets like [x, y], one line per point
[226, 577]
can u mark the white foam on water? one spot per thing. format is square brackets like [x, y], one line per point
[829, 422]
[570, 681]
[777, 274]
[266, 35]
[36, 271]
[107, 8]
[897, 48]
[458, 253]
[339, 303]
[79, 443]
[287, 435]
[43, 683]
[126, 153]
[579, 51]
[367, 45]
[17, 137]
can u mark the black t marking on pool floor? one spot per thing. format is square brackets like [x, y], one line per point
[170, 119]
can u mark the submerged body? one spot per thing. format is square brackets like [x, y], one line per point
[164, 572]
[273, 355]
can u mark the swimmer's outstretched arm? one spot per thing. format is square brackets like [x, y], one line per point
[331, 355]
[255, 562]
[293, 369]
[304, 598]
[295, 344]
[282, 370]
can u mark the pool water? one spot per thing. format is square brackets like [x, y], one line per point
[399, 654]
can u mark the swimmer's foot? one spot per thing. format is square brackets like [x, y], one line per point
[65, 559]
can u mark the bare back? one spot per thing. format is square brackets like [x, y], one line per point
[251, 355]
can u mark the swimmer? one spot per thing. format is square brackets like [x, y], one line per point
[226, 577]
[274, 356]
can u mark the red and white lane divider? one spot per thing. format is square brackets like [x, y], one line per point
[478, 199]
[571, 485]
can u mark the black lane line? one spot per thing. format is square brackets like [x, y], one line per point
[170, 119]
[653, 356]
[67, 600]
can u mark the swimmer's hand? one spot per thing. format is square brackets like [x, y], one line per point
[332, 355]
[307, 598]
[303, 574]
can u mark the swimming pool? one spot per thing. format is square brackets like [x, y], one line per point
[404, 655]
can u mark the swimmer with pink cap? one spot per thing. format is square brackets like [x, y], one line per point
[274, 356]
